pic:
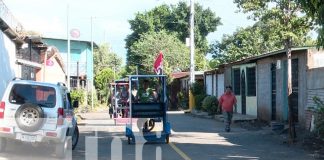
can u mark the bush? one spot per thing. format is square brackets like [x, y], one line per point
[77, 95]
[319, 116]
[198, 89]
[210, 105]
[182, 100]
[95, 99]
[198, 101]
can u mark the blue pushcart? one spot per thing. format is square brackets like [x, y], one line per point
[147, 111]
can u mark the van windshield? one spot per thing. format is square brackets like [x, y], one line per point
[41, 95]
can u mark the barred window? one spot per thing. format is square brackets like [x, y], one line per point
[237, 81]
[251, 81]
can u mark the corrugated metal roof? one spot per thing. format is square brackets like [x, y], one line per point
[94, 44]
[269, 54]
[177, 75]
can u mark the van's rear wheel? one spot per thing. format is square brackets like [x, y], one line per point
[3, 144]
[75, 137]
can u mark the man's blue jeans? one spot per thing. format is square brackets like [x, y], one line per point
[227, 120]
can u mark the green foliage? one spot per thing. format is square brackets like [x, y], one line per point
[104, 57]
[198, 88]
[315, 9]
[102, 80]
[78, 95]
[279, 24]
[245, 42]
[319, 116]
[210, 104]
[95, 99]
[174, 20]
[201, 63]
[282, 18]
[105, 63]
[145, 50]
[214, 63]
[182, 100]
[199, 94]
[198, 101]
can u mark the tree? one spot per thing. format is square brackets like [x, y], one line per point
[107, 67]
[282, 17]
[104, 57]
[102, 80]
[285, 19]
[250, 41]
[206, 22]
[201, 62]
[243, 43]
[175, 53]
[173, 19]
[315, 9]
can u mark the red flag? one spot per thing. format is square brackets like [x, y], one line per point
[158, 64]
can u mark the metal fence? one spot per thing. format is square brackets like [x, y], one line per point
[74, 68]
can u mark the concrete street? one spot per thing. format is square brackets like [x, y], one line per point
[192, 138]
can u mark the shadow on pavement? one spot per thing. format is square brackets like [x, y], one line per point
[206, 139]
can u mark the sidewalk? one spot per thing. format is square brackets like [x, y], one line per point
[237, 117]
[101, 118]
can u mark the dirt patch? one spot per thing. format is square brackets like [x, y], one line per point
[252, 125]
[315, 144]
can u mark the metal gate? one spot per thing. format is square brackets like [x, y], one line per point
[273, 91]
[243, 92]
[294, 96]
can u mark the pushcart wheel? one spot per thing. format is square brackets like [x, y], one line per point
[167, 139]
[149, 125]
[129, 140]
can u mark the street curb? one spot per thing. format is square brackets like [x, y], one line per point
[219, 117]
[205, 115]
[80, 116]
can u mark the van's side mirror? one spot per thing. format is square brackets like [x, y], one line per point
[75, 104]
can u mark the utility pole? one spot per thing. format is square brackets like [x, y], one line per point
[68, 49]
[192, 53]
[92, 65]
[114, 67]
[288, 44]
[78, 75]
[192, 42]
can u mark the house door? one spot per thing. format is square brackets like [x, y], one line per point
[273, 91]
[294, 96]
[243, 94]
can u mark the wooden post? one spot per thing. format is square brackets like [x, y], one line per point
[288, 44]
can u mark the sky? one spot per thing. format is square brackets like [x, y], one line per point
[110, 18]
